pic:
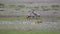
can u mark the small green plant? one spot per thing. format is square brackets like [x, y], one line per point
[39, 21]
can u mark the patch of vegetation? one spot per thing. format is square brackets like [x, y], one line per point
[28, 32]
[55, 7]
[39, 21]
[13, 18]
[45, 8]
[2, 5]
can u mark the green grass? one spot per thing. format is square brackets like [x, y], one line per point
[22, 17]
[28, 32]
[11, 18]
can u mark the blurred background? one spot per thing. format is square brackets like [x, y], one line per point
[13, 14]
